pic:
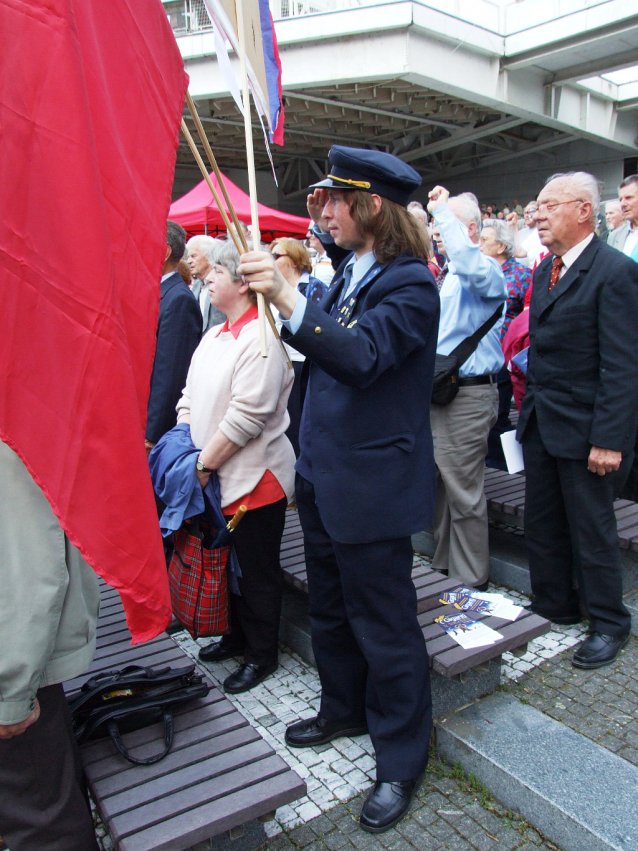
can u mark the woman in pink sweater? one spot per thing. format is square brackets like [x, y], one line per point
[235, 401]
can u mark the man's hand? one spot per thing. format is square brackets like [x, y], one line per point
[316, 202]
[438, 195]
[512, 220]
[262, 275]
[603, 461]
[8, 731]
[202, 478]
[148, 446]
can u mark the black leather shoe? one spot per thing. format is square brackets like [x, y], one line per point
[217, 651]
[598, 650]
[173, 627]
[562, 620]
[386, 805]
[248, 676]
[482, 586]
[317, 731]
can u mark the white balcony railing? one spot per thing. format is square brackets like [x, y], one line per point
[190, 16]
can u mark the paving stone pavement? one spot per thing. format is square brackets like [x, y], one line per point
[338, 773]
[600, 704]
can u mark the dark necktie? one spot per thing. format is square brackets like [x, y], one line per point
[441, 277]
[347, 278]
[557, 265]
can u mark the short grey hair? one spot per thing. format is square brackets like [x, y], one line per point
[228, 256]
[207, 245]
[504, 234]
[469, 210]
[587, 186]
[613, 203]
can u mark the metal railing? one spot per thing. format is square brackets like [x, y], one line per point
[190, 16]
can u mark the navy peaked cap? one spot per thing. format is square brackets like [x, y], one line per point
[371, 171]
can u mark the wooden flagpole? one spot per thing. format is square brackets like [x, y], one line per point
[250, 157]
[236, 233]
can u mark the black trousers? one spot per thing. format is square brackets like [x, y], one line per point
[495, 457]
[43, 803]
[255, 615]
[368, 645]
[570, 533]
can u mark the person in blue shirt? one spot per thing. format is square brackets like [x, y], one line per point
[471, 287]
[365, 475]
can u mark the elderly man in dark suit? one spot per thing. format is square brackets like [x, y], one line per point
[578, 419]
[366, 475]
[178, 333]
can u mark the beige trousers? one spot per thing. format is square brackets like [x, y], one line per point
[460, 432]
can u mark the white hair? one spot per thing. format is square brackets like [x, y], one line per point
[228, 256]
[207, 245]
[611, 204]
[585, 185]
[467, 208]
[504, 234]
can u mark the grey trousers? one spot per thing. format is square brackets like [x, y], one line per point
[460, 432]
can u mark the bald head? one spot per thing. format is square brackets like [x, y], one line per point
[467, 211]
[567, 210]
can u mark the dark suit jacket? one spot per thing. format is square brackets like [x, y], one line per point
[583, 358]
[368, 400]
[179, 331]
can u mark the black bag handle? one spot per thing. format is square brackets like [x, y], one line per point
[116, 737]
[468, 346]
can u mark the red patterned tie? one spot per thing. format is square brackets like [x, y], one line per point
[557, 265]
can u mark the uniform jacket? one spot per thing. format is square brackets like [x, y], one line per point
[368, 400]
[50, 597]
[178, 333]
[211, 315]
[583, 357]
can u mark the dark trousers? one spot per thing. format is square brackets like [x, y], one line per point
[570, 533]
[368, 645]
[495, 457]
[43, 803]
[295, 405]
[255, 615]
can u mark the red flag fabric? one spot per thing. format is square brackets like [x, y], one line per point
[91, 97]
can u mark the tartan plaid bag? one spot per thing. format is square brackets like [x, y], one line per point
[198, 580]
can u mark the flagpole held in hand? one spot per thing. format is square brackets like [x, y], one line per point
[250, 156]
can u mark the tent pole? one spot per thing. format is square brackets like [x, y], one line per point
[206, 228]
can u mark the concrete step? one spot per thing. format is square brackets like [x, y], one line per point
[581, 796]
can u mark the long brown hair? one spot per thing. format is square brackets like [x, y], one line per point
[395, 231]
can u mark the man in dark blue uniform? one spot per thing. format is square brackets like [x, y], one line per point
[366, 475]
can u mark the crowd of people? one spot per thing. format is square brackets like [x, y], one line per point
[372, 308]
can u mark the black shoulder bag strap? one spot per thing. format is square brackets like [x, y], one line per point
[468, 346]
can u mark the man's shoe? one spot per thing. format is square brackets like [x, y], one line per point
[598, 650]
[318, 731]
[217, 651]
[386, 805]
[482, 586]
[562, 620]
[248, 676]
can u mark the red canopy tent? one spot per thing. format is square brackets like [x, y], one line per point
[197, 212]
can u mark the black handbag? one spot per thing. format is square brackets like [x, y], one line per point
[118, 702]
[446, 367]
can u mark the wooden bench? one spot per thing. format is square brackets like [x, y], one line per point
[505, 496]
[446, 656]
[219, 774]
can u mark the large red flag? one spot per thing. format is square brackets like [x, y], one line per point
[91, 97]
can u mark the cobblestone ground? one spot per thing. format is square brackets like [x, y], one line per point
[600, 704]
[447, 813]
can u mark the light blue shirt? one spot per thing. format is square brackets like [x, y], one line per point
[472, 290]
[360, 268]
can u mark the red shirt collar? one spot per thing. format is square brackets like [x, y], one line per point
[244, 319]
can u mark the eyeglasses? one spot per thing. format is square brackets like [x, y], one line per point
[543, 208]
[276, 255]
